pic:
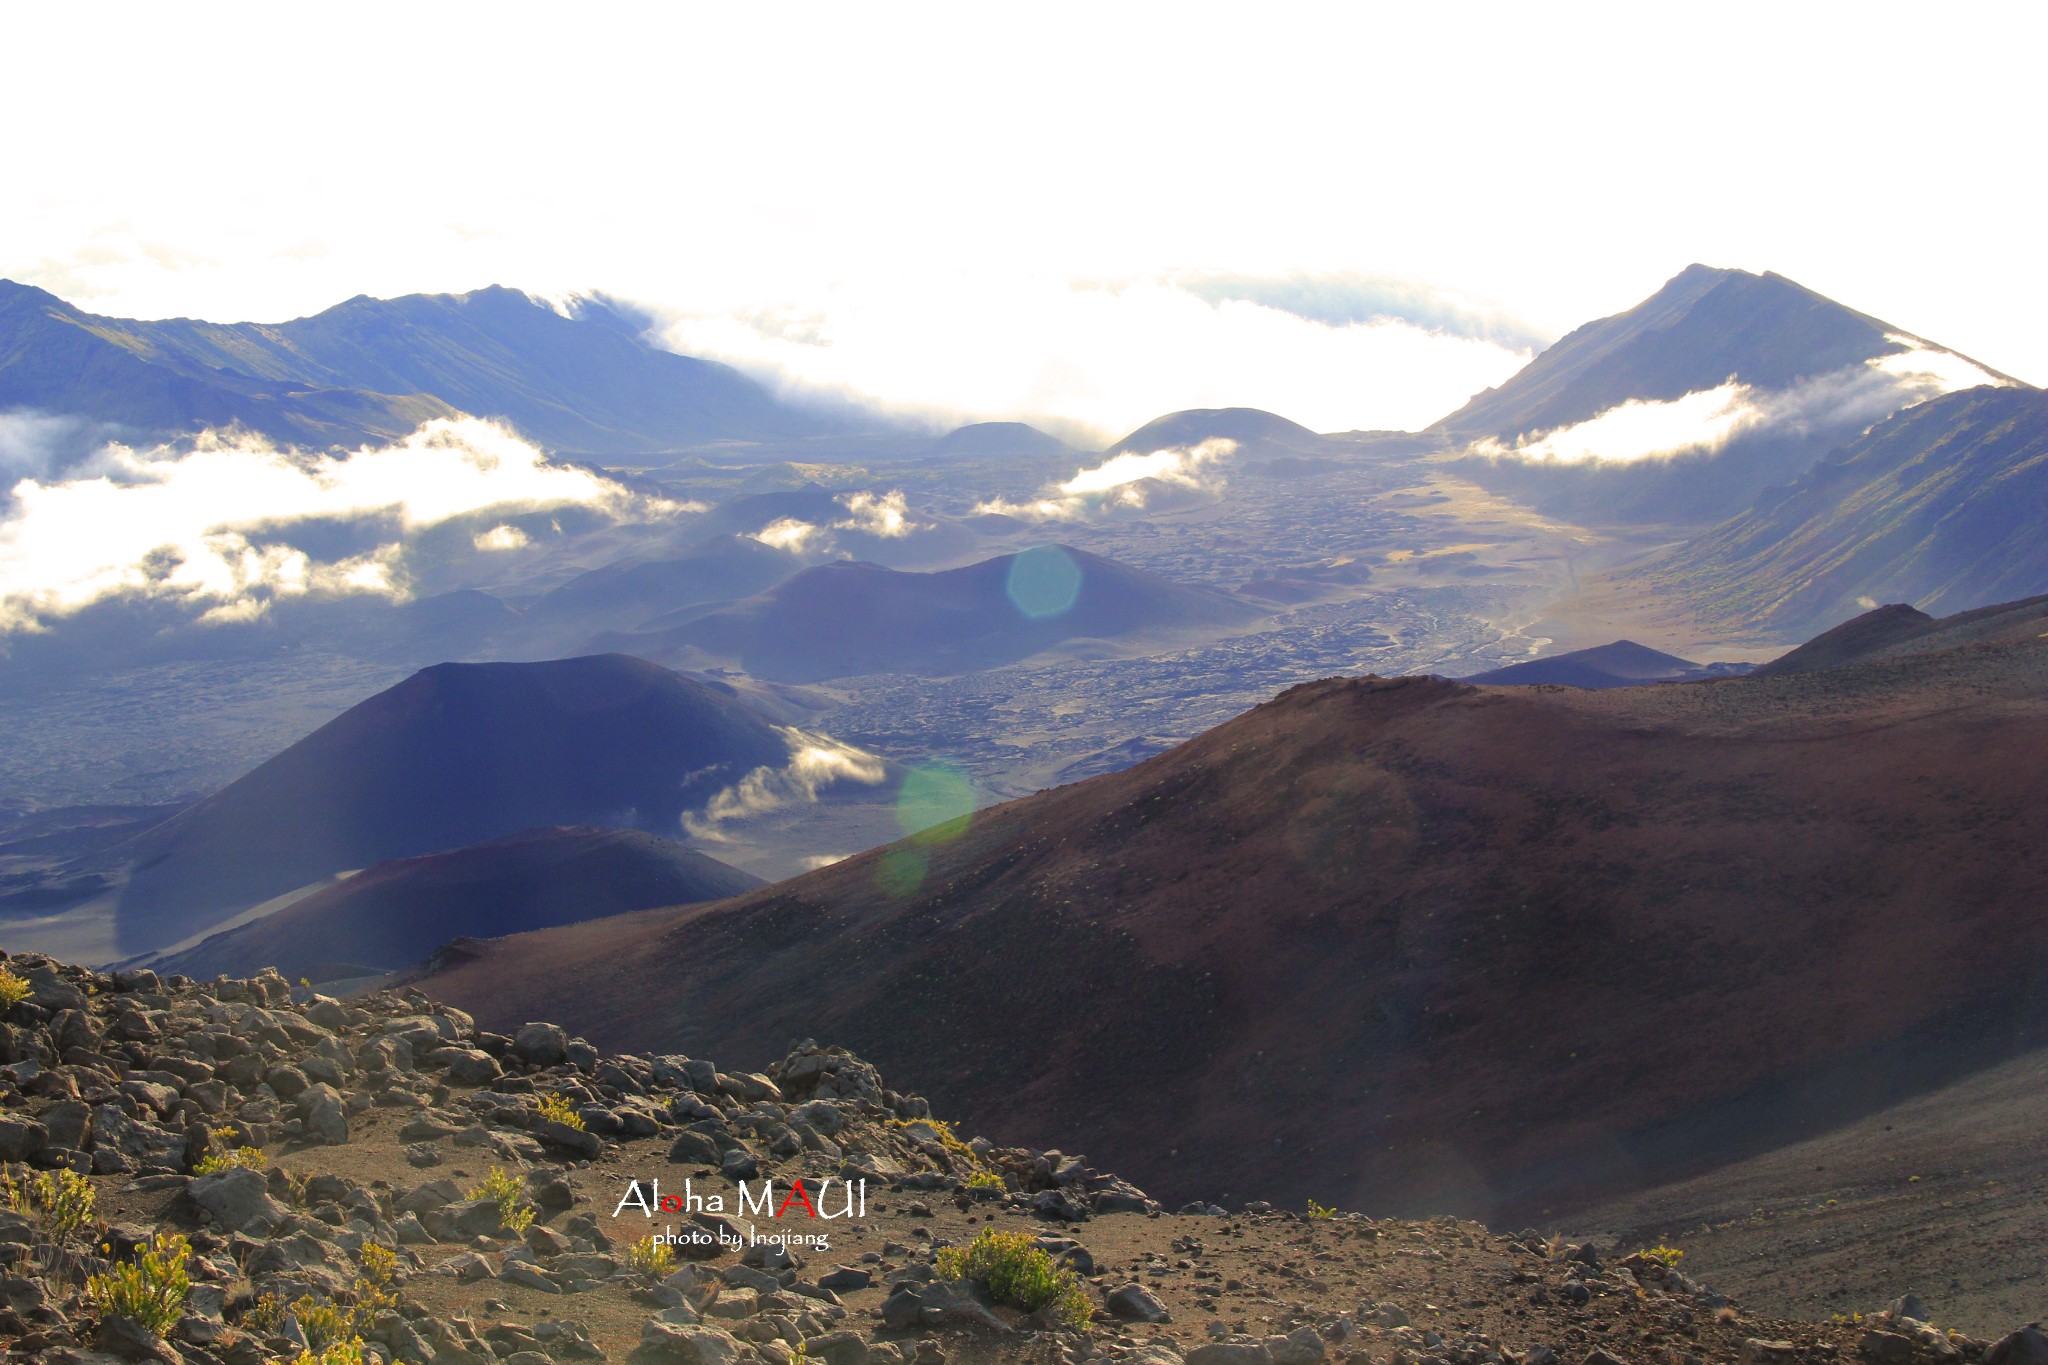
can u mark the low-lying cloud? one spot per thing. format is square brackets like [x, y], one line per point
[815, 763]
[1706, 420]
[1092, 359]
[1346, 298]
[211, 522]
[1129, 481]
[884, 515]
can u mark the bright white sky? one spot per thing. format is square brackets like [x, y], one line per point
[985, 210]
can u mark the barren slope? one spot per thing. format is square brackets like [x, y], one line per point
[1413, 945]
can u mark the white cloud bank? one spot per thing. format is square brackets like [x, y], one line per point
[885, 515]
[815, 763]
[1708, 419]
[1127, 481]
[209, 522]
[1090, 358]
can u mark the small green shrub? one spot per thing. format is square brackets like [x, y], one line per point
[56, 1203]
[348, 1352]
[14, 988]
[508, 1191]
[1316, 1210]
[986, 1180]
[1015, 1270]
[229, 1157]
[656, 1258]
[150, 1289]
[1667, 1255]
[557, 1107]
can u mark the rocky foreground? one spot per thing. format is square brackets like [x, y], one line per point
[223, 1173]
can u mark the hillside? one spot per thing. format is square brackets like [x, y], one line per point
[982, 440]
[626, 593]
[1621, 664]
[1418, 945]
[1256, 432]
[455, 755]
[849, 617]
[373, 369]
[397, 913]
[1808, 373]
[1938, 506]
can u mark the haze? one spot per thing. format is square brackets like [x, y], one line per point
[1355, 218]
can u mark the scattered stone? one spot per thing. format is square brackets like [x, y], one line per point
[1135, 1303]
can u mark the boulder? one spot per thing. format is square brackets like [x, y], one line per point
[239, 1200]
[324, 1114]
[1135, 1303]
[541, 1044]
[672, 1343]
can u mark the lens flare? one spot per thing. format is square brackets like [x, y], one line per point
[1044, 581]
[935, 803]
[900, 871]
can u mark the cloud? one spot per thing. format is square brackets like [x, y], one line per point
[815, 763]
[1129, 480]
[788, 533]
[503, 536]
[1828, 405]
[1087, 358]
[1347, 298]
[213, 521]
[878, 514]
[40, 444]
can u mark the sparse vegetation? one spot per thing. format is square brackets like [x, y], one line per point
[14, 988]
[556, 1107]
[1316, 1210]
[947, 1139]
[56, 1203]
[986, 1180]
[1015, 1270]
[650, 1256]
[508, 1191]
[151, 1289]
[348, 1352]
[229, 1156]
[1669, 1256]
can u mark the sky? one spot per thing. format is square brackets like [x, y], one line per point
[1354, 215]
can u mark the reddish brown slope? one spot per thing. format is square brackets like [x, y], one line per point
[1410, 944]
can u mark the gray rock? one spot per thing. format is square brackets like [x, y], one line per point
[239, 1200]
[22, 1294]
[575, 1141]
[1908, 1306]
[939, 1304]
[694, 1149]
[837, 1348]
[671, 1343]
[21, 1140]
[140, 1142]
[469, 1066]
[739, 1164]
[1230, 1353]
[2027, 1346]
[540, 1044]
[843, 1278]
[1135, 1303]
[1884, 1348]
[69, 1124]
[124, 1336]
[520, 1272]
[325, 1115]
[467, 1268]
[1302, 1346]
